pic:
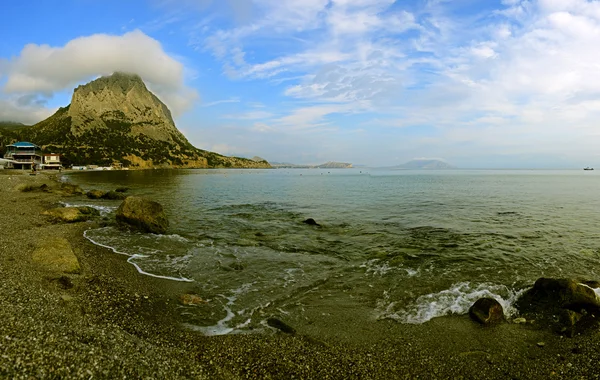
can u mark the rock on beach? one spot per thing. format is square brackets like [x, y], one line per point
[56, 255]
[71, 214]
[564, 305]
[487, 311]
[142, 214]
[549, 293]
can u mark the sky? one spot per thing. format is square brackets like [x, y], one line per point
[477, 83]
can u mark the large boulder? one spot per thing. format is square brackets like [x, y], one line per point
[550, 293]
[95, 194]
[142, 214]
[56, 255]
[566, 306]
[70, 189]
[487, 311]
[71, 214]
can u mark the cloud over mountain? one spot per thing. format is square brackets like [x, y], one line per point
[41, 70]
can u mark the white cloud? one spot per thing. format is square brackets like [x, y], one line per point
[11, 109]
[252, 115]
[42, 69]
[224, 101]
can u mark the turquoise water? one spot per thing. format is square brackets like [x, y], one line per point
[402, 245]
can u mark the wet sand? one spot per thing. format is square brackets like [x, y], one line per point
[114, 322]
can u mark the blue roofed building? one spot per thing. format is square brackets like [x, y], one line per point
[23, 155]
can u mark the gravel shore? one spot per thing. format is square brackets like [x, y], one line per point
[108, 321]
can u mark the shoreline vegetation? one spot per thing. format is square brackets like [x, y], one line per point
[105, 320]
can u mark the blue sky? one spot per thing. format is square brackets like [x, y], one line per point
[500, 84]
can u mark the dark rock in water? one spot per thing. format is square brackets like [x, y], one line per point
[87, 210]
[237, 265]
[121, 189]
[486, 311]
[549, 293]
[142, 214]
[114, 196]
[95, 194]
[280, 325]
[311, 222]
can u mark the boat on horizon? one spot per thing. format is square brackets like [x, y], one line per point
[588, 168]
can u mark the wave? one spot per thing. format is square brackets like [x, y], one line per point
[104, 210]
[455, 300]
[134, 256]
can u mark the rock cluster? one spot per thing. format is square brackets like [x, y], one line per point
[110, 195]
[564, 305]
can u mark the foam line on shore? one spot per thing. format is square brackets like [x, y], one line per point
[137, 267]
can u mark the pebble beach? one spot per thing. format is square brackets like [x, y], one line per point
[105, 320]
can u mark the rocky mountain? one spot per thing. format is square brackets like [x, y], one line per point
[425, 164]
[116, 119]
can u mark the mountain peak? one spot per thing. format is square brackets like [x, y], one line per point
[122, 98]
[119, 81]
[117, 119]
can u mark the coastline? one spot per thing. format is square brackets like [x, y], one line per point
[114, 322]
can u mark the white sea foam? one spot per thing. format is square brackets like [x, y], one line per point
[104, 210]
[376, 267]
[456, 300]
[133, 257]
[222, 327]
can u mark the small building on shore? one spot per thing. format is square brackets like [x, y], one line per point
[26, 156]
[52, 162]
[23, 155]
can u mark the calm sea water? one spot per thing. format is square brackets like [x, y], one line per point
[402, 245]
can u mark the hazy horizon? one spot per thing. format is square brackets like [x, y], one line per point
[495, 84]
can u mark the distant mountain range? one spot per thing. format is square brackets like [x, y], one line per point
[327, 165]
[425, 164]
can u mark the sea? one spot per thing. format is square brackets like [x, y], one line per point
[398, 245]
